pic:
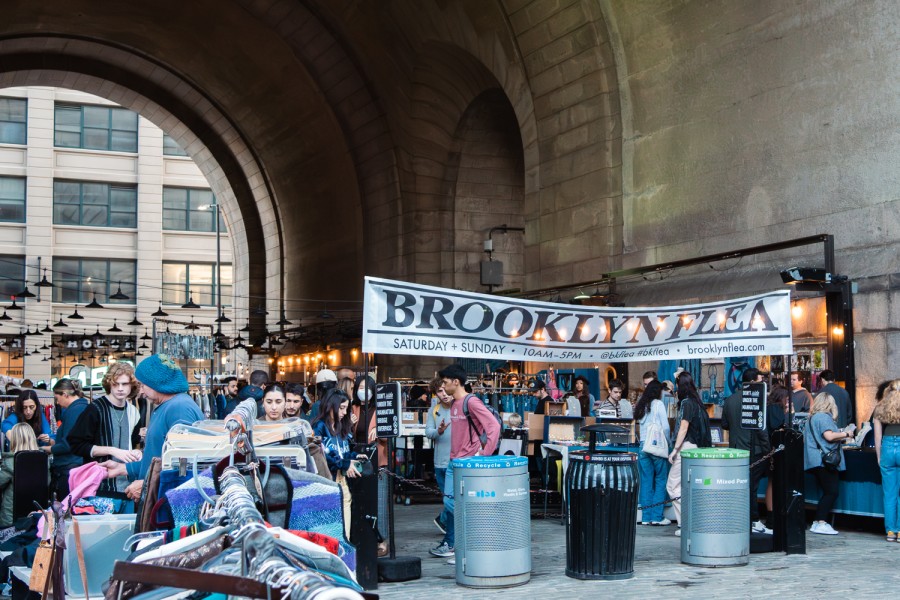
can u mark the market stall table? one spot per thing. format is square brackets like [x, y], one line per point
[860, 491]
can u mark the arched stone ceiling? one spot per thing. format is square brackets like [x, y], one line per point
[249, 100]
[343, 110]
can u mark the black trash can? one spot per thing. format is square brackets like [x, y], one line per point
[602, 500]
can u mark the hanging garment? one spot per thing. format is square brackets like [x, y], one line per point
[84, 481]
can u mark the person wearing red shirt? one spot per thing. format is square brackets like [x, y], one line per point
[465, 441]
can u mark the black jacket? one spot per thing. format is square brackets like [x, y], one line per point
[756, 441]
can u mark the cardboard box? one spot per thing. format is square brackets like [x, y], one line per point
[564, 429]
[535, 426]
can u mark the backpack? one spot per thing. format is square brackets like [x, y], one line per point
[705, 432]
[483, 435]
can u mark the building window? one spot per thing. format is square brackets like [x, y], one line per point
[171, 147]
[195, 280]
[95, 128]
[12, 199]
[94, 204]
[189, 209]
[12, 275]
[13, 120]
[77, 280]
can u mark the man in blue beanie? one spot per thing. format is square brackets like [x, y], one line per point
[163, 384]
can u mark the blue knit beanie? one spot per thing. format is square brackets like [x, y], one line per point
[160, 372]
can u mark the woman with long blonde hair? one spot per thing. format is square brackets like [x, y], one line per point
[821, 435]
[887, 449]
[21, 437]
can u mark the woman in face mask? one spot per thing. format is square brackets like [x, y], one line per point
[363, 407]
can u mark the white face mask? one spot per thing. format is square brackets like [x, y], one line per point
[364, 394]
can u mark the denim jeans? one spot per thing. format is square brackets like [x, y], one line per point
[450, 536]
[890, 480]
[440, 476]
[654, 470]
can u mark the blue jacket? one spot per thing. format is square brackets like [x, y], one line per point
[13, 420]
[62, 452]
[337, 449]
[177, 409]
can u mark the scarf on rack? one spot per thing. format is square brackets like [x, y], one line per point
[316, 505]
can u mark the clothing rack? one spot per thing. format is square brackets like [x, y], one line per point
[265, 573]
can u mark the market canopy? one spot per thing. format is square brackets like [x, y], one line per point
[423, 320]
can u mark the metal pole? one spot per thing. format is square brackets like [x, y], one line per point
[215, 367]
[392, 449]
[218, 262]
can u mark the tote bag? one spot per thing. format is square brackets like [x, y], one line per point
[655, 442]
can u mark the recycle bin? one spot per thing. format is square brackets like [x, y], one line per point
[715, 507]
[602, 500]
[492, 512]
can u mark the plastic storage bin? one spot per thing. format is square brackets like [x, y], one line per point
[102, 540]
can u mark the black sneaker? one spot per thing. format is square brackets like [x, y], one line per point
[439, 525]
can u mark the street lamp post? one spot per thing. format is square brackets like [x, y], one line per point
[216, 216]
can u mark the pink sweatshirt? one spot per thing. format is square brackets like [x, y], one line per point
[464, 440]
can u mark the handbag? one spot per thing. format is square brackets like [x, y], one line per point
[655, 442]
[831, 459]
[149, 495]
[43, 560]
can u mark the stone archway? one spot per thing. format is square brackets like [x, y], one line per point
[182, 111]
[486, 177]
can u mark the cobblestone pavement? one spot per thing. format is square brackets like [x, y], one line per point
[853, 564]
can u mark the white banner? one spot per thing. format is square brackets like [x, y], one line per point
[422, 320]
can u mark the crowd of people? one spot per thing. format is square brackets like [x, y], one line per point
[125, 428]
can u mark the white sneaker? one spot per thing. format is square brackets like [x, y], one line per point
[759, 527]
[823, 528]
[662, 523]
[678, 532]
[452, 561]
